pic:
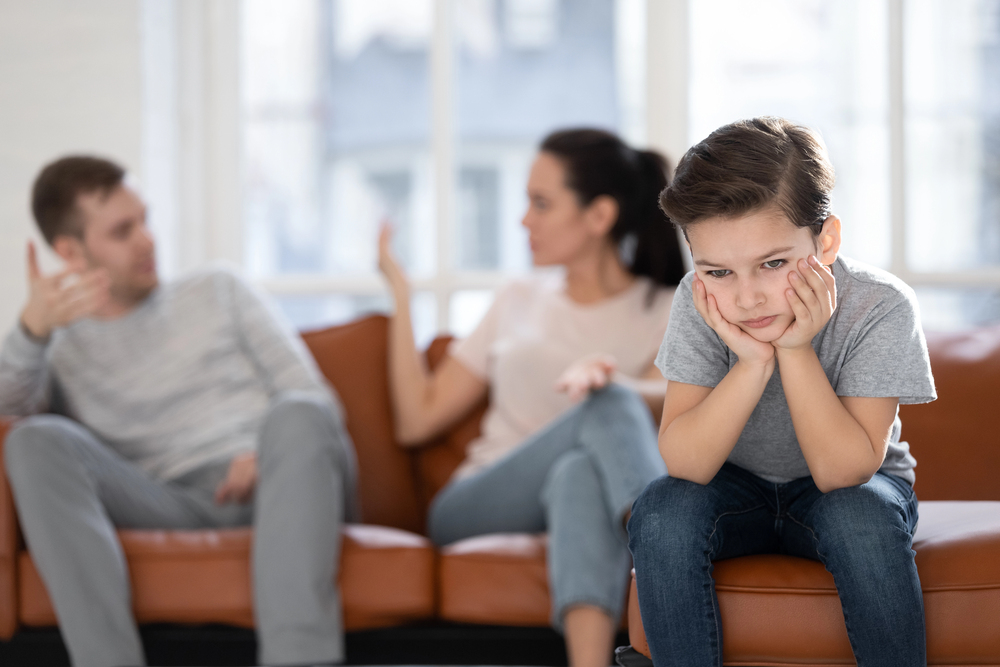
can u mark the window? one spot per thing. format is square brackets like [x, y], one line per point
[425, 114]
[428, 113]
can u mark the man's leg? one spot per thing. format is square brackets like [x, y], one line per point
[677, 529]
[71, 491]
[306, 491]
[864, 536]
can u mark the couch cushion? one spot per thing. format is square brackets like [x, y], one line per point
[495, 579]
[951, 437]
[203, 576]
[780, 610]
[353, 358]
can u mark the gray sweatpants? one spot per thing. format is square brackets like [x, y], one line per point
[72, 491]
[576, 479]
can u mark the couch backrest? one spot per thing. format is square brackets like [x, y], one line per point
[353, 358]
[955, 439]
[396, 484]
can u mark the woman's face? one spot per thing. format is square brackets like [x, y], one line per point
[557, 224]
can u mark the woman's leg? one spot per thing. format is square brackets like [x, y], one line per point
[613, 426]
[588, 561]
[677, 529]
[864, 536]
[576, 478]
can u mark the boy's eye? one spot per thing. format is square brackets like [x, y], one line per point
[719, 273]
[774, 263]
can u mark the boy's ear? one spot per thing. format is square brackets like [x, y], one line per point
[70, 250]
[829, 240]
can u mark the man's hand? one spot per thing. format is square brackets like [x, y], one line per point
[591, 372]
[747, 348]
[57, 300]
[240, 482]
[813, 298]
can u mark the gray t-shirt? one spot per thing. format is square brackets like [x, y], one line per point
[873, 346]
[182, 381]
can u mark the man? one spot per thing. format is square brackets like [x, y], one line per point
[187, 405]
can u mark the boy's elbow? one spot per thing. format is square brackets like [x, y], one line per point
[846, 479]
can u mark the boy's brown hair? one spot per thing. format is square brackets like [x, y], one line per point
[749, 165]
[54, 194]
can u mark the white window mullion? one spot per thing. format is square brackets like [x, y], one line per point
[897, 141]
[443, 151]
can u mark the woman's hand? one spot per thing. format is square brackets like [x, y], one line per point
[813, 298]
[389, 266]
[591, 372]
[747, 348]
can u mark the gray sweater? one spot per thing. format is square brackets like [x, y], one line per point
[183, 380]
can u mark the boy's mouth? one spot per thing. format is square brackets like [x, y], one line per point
[760, 322]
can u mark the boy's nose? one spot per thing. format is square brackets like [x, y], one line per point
[749, 295]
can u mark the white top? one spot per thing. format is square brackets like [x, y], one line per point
[532, 333]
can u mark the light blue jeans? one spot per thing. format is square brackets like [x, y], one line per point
[576, 479]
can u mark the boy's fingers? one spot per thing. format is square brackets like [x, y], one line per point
[802, 312]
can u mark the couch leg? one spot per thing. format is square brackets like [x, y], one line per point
[626, 656]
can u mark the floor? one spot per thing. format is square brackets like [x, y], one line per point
[438, 644]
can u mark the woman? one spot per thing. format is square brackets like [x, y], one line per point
[542, 464]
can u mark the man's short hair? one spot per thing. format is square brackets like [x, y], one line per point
[54, 194]
[750, 165]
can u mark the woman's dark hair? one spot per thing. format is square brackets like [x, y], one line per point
[599, 163]
[749, 165]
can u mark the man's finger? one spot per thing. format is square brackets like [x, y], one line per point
[34, 273]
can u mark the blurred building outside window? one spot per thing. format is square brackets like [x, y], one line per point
[427, 113]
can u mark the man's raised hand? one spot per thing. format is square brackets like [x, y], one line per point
[62, 298]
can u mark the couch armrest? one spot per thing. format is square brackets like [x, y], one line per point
[8, 546]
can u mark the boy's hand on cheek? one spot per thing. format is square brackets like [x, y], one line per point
[747, 348]
[812, 294]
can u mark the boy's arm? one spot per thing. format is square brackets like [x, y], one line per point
[843, 440]
[700, 425]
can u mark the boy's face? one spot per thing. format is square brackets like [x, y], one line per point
[745, 262]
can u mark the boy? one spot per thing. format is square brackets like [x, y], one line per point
[780, 431]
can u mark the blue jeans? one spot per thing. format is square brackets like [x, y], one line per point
[576, 479]
[862, 534]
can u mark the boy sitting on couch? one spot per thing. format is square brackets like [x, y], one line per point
[193, 405]
[780, 431]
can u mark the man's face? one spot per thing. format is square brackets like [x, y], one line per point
[116, 239]
[744, 263]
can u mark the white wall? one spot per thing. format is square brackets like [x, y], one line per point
[70, 81]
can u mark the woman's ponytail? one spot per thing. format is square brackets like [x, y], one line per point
[599, 163]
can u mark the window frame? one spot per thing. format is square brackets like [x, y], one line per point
[196, 202]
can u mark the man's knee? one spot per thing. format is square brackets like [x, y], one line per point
[34, 440]
[305, 425]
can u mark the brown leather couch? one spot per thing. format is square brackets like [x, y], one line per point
[780, 610]
[390, 573]
[776, 611]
